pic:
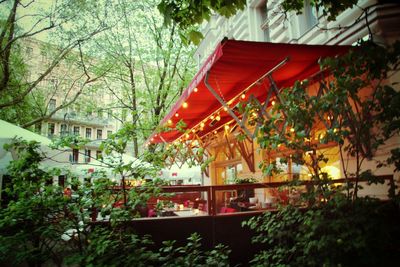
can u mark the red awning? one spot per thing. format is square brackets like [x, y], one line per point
[234, 66]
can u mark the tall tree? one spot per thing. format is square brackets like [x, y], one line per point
[150, 65]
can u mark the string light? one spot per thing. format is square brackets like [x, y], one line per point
[169, 121]
[218, 118]
[185, 105]
[215, 132]
[243, 96]
[202, 124]
[226, 127]
[273, 103]
[176, 114]
[212, 117]
[225, 109]
[292, 130]
[152, 139]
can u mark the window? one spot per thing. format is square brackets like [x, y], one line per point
[50, 129]
[77, 130]
[38, 128]
[89, 133]
[87, 155]
[52, 104]
[29, 51]
[89, 113]
[308, 19]
[99, 134]
[44, 55]
[98, 154]
[53, 82]
[109, 114]
[75, 155]
[61, 180]
[63, 130]
[109, 133]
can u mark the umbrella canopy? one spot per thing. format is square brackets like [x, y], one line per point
[8, 131]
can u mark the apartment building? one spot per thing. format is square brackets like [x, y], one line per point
[263, 20]
[89, 116]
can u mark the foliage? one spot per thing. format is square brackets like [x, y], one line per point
[68, 25]
[330, 8]
[28, 228]
[354, 108]
[337, 233]
[41, 224]
[192, 254]
[187, 14]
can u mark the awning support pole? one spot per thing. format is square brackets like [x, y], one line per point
[226, 106]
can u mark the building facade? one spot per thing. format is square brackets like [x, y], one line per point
[88, 116]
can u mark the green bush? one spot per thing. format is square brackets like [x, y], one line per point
[338, 233]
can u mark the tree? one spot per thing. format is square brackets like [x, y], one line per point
[150, 66]
[66, 24]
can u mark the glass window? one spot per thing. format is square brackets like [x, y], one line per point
[75, 155]
[52, 104]
[77, 130]
[99, 134]
[63, 130]
[87, 155]
[50, 129]
[89, 133]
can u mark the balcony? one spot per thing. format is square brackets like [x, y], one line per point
[77, 118]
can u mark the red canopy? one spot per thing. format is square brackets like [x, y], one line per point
[234, 66]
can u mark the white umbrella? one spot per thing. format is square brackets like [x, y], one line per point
[8, 131]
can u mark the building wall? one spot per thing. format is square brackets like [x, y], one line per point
[262, 20]
[89, 113]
